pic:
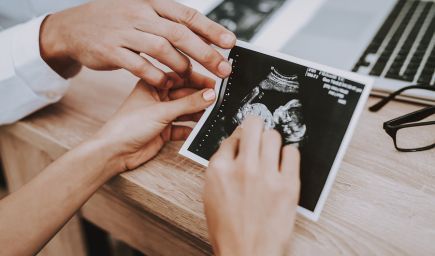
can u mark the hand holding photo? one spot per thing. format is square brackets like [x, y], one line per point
[312, 106]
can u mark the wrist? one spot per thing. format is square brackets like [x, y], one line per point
[104, 155]
[233, 247]
[228, 251]
[240, 247]
[54, 50]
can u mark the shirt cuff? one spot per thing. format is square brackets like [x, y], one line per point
[30, 66]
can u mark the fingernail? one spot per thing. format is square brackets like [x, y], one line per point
[224, 68]
[227, 39]
[209, 95]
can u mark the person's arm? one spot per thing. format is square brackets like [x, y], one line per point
[251, 192]
[37, 57]
[113, 34]
[34, 213]
[27, 83]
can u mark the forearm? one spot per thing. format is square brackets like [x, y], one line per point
[33, 214]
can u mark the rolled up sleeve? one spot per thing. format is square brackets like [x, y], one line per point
[27, 83]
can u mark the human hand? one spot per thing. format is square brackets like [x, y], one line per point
[251, 192]
[142, 125]
[111, 34]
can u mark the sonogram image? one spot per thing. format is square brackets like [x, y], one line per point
[300, 102]
[287, 119]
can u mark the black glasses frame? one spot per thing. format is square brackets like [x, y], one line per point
[409, 120]
[393, 95]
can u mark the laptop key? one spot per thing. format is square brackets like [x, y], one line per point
[408, 59]
[427, 73]
[373, 47]
[424, 79]
[379, 67]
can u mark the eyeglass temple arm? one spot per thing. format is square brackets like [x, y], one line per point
[414, 116]
[387, 99]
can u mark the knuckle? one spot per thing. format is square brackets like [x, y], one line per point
[100, 51]
[178, 33]
[156, 78]
[148, 74]
[246, 166]
[135, 14]
[186, 66]
[219, 164]
[190, 15]
[161, 46]
[211, 57]
[107, 46]
[140, 70]
[193, 102]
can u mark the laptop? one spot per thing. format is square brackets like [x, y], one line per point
[390, 40]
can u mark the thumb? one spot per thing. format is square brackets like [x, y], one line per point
[190, 104]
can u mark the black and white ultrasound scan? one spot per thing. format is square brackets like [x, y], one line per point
[312, 106]
[244, 17]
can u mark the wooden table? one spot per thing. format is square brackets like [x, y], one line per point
[382, 201]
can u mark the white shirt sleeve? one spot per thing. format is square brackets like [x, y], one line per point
[27, 83]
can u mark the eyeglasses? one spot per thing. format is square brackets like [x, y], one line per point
[408, 132]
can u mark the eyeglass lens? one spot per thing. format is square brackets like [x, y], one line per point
[415, 137]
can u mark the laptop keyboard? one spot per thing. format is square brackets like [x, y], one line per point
[403, 48]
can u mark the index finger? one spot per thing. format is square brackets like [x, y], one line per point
[290, 164]
[197, 22]
[250, 142]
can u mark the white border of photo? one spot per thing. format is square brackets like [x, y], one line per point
[367, 81]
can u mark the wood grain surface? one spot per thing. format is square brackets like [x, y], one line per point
[382, 202]
[21, 162]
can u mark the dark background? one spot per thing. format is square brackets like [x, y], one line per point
[246, 15]
[325, 118]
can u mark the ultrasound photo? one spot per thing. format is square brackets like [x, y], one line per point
[286, 118]
[311, 109]
[244, 17]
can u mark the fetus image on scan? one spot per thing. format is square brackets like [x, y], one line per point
[276, 101]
